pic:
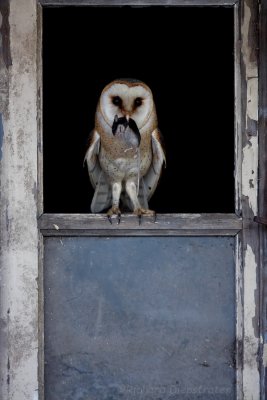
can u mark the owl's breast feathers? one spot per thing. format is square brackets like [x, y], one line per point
[115, 147]
[106, 164]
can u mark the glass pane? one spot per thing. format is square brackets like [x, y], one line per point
[186, 57]
[139, 318]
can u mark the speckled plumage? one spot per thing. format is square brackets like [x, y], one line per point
[119, 167]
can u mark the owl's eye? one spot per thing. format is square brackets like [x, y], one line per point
[138, 101]
[117, 101]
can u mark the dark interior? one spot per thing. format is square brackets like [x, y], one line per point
[186, 57]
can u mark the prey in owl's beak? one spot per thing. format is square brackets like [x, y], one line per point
[118, 121]
[126, 122]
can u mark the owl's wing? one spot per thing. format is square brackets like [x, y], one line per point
[91, 158]
[150, 180]
[102, 196]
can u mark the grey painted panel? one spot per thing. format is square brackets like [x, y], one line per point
[139, 318]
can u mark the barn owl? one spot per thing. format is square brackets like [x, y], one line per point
[125, 154]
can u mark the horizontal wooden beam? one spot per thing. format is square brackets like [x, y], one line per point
[261, 220]
[136, 3]
[165, 225]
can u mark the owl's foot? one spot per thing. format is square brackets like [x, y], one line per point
[114, 210]
[142, 211]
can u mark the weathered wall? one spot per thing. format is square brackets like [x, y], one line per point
[19, 239]
[18, 174]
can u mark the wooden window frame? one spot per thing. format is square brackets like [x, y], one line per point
[23, 223]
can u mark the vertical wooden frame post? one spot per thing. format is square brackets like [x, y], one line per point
[19, 233]
[248, 39]
[262, 212]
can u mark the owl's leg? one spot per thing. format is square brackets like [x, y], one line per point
[116, 193]
[131, 189]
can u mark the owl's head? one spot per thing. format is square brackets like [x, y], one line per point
[126, 98]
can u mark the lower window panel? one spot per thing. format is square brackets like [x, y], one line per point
[139, 318]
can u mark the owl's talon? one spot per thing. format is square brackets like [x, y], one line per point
[142, 211]
[155, 218]
[114, 210]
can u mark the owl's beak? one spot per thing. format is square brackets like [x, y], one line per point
[127, 116]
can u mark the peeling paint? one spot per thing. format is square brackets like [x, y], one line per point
[239, 316]
[248, 51]
[252, 98]
[249, 177]
[249, 187]
[250, 372]
[264, 355]
[35, 395]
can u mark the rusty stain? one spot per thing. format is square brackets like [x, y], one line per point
[34, 191]
[1, 136]
[249, 16]
[8, 369]
[239, 353]
[5, 32]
